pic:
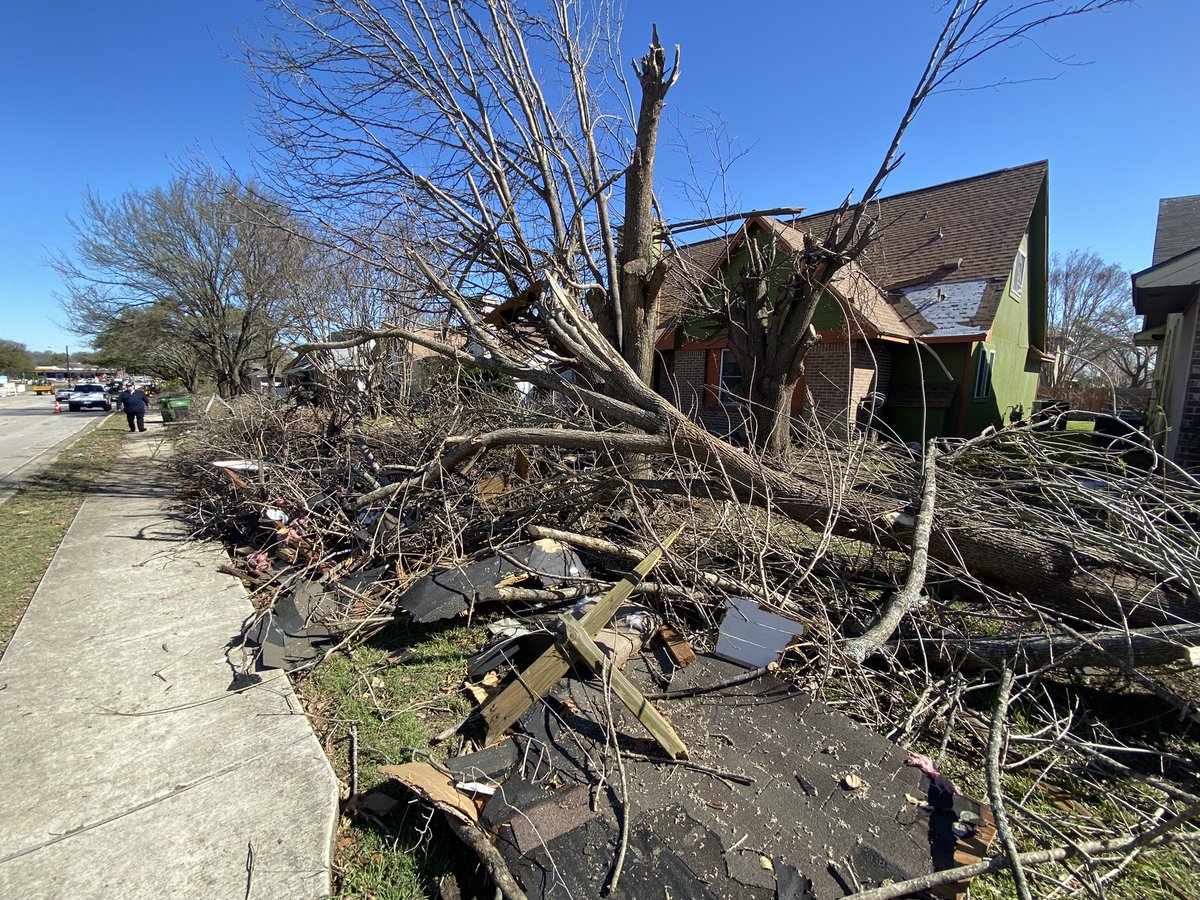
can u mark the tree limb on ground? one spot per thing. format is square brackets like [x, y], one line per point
[859, 648]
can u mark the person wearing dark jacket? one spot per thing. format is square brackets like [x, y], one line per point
[134, 402]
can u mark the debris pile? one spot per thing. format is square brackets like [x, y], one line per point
[690, 693]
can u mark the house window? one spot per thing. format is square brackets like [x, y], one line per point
[731, 380]
[1018, 274]
[983, 375]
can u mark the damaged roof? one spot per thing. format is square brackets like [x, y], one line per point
[941, 256]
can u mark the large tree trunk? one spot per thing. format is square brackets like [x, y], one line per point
[1138, 647]
[1046, 571]
[640, 275]
[771, 414]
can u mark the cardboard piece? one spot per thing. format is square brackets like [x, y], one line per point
[434, 787]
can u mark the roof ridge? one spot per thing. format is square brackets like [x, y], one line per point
[1042, 163]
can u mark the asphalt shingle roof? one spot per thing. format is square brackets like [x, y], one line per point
[1178, 227]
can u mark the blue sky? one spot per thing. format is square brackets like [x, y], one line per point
[109, 95]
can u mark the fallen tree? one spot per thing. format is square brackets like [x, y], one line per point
[1053, 567]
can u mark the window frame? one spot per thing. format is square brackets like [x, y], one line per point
[724, 397]
[1017, 285]
[983, 375]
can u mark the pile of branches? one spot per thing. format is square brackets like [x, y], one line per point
[1083, 699]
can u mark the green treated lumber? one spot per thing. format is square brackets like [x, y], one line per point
[587, 650]
[530, 686]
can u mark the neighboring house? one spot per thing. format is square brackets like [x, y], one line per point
[398, 368]
[939, 329]
[1166, 295]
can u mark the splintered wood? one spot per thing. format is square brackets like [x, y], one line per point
[530, 686]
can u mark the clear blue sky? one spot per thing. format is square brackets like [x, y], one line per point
[109, 95]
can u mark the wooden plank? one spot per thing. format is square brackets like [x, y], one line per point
[678, 648]
[530, 686]
[583, 646]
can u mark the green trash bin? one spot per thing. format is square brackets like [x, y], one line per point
[174, 409]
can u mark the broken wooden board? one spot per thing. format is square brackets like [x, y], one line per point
[435, 787]
[678, 648]
[642, 709]
[531, 685]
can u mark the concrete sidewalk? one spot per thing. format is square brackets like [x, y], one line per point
[129, 770]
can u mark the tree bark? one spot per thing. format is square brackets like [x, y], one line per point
[1139, 647]
[640, 268]
[773, 416]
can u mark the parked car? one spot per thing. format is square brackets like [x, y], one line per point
[63, 394]
[89, 396]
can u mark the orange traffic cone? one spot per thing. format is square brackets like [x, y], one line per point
[57, 406]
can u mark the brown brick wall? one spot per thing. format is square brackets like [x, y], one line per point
[681, 380]
[839, 376]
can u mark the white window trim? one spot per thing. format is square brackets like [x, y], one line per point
[1018, 279]
[983, 374]
[721, 396]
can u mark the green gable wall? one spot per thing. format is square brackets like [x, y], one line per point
[1019, 326]
[827, 315]
[1017, 335]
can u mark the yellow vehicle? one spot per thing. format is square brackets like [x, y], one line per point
[46, 387]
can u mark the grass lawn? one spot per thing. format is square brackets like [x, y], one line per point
[398, 708]
[34, 520]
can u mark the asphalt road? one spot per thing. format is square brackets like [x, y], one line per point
[30, 432]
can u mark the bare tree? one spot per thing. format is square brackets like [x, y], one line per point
[226, 258]
[769, 306]
[439, 113]
[1091, 322]
[151, 339]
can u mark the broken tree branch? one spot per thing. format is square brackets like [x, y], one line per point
[1157, 835]
[859, 648]
[995, 787]
[475, 838]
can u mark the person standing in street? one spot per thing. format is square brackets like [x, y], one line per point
[134, 402]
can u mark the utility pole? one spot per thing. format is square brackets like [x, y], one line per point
[68, 365]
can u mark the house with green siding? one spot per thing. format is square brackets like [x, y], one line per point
[938, 329]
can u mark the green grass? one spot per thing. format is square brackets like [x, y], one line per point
[398, 708]
[1086, 425]
[34, 520]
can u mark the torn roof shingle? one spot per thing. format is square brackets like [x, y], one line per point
[961, 232]
[951, 309]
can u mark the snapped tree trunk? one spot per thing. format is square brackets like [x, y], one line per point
[641, 272]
